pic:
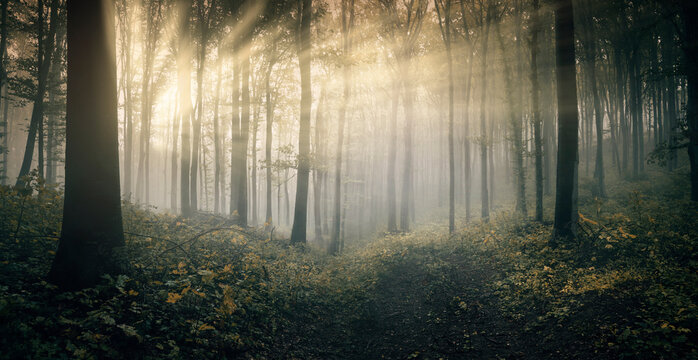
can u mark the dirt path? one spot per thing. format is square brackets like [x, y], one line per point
[430, 308]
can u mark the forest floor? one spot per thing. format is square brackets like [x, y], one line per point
[202, 288]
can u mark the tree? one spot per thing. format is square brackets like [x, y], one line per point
[590, 57]
[4, 103]
[44, 52]
[688, 11]
[347, 26]
[444, 7]
[92, 228]
[483, 123]
[185, 107]
[298, 232]
[535, 104]
[568, 122]
[204, 22]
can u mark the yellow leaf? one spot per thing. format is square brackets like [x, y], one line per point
[173, 297]
[206, 327]
[133, 292]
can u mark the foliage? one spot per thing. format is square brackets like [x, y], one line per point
[202, 288]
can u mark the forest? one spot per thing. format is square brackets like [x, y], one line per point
[348, 179]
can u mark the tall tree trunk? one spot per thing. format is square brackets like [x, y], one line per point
[407, 187]
[244, 141]
[196, 125]
[347, 24]
[298, 232]
[517, 141]
[392, 157]
[235, 136]
[217, 196]
[185, 106]
[268, 143]
[483, 123]
[45, 51]
[319, 168]
[4, 100]
[174, 159]
[590, 50]
[568, 122]
[253, 181]
[535, 105]
[445, 26]
[92, 227]
[127, 42]
[690, 47]
[53, 90]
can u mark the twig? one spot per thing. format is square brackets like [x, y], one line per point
[199, 235]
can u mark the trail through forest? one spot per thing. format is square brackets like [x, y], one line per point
[429, 305]
[494, 290]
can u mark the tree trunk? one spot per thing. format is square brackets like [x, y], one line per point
[185, 106]
[92, 228]
[298, 232]
[590, 50]
[319, 158]
[45, 51]
[196, 126]
[268, 143]
[244, 142]
[235, 137]
[483, 124]
[347, 23]
[407, 187]
[217, 142]
[535, 91]
[690, 47]
[4, 100]
[392, 158]
[568, 122]
[445, 26]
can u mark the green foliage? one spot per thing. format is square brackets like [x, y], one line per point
[203, 288]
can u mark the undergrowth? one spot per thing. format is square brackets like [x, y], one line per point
[203, 288]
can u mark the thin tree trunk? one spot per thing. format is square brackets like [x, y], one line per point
[535, 91]
[298, 232]
[45, 51]
[185, 106]
[244, 141]
[347, 24]
[268, 143]
[483, 124]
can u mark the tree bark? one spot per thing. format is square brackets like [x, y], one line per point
[45, 51]
[568, 122]
[535, 105]
[485, 211]
[690, 48]
[298, 232]
[92, 227]
[347, 24]
[185, 106]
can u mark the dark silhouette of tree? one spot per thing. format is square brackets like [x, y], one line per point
[92, 228]
[535, 106]
[568, 122]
